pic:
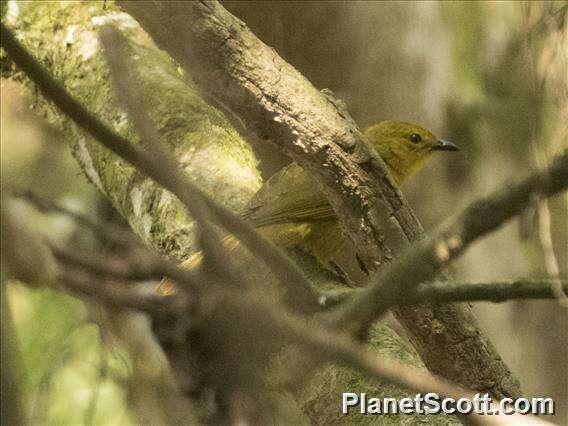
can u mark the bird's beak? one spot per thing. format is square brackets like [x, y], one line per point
[444, 145]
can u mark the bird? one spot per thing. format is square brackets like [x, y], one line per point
[290, 209]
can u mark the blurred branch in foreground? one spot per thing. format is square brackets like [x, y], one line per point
[162, 169]
[448, 291]
[442, 292]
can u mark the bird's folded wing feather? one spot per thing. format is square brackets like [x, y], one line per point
[291, 195]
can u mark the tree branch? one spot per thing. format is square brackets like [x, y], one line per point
[125, 79]
[449, 292]
[119, 294]
[32, 260]
[234, 311]
[109, 231]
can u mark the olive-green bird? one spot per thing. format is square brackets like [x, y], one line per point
[290, 210]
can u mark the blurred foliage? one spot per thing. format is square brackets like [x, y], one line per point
[69, 376]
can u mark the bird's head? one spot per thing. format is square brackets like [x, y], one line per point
[405, 147]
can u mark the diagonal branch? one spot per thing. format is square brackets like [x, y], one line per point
[117, 294]
[125, 79]
[33, 261]
[329, 346]
[145, 266]
[260, 319]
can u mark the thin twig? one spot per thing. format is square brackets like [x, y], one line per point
[550, 261]
[147, 269]
[46, 268]
[150, 268]
[539, 152]
[109, 231]
[117, 294]
[126, 79]
[448, 292]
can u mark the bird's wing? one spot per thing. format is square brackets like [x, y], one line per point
[291, 195]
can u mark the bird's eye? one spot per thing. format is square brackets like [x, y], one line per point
[415, 138]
